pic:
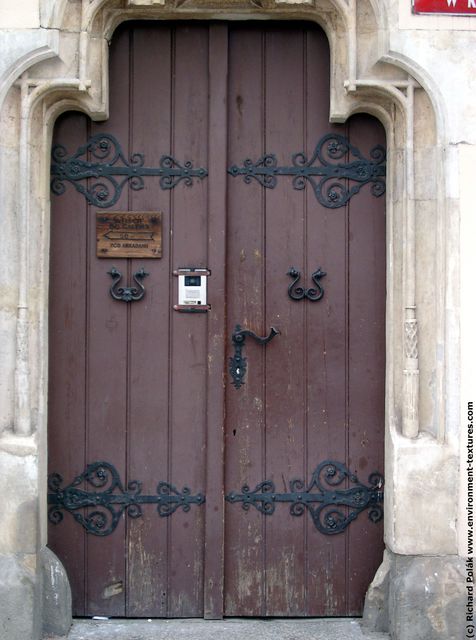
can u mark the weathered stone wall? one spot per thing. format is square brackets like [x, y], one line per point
[416, 73]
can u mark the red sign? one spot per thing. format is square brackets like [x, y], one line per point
[455, 7]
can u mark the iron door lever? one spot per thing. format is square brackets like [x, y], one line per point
[238, 361]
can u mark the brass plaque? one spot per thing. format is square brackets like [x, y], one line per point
[129, 235]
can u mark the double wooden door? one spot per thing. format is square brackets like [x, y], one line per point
[184, 481]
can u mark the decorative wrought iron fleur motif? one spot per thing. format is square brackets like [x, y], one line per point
[109, 170]
[328, 177]
[320, 497]
[311, 293]
[109, 499]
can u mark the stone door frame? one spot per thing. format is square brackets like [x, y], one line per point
[67, 69]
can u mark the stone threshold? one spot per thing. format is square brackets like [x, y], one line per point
[228, 629]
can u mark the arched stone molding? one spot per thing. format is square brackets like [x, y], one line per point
[366, 77]
[385, 89]
[25, 57]
[52, 13]
[363, 78]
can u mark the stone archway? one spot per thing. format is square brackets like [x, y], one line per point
[366, 77]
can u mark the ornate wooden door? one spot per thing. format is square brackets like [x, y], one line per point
[195, 469]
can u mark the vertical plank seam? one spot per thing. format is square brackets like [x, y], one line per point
[216, 194]
[87, 311]
[264, 602]
[305, 310]
[128, 331]
[86, 372]
[347, 373]
[173, 41]
[207, 337]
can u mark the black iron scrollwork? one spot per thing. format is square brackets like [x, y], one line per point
[311, 293]
[127, 294]
[110, 499]
[332, 189]
[331, 509]
[238, 363]
[109, 170]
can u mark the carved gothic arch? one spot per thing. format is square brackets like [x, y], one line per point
[63, 66]
[366, 77]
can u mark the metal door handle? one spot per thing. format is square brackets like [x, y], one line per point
[238, 361]
[311, 293]
[127, 294]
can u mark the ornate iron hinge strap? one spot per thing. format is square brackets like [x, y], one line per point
[110, 499]
[110, 170]
[332, 190]
[320, 497]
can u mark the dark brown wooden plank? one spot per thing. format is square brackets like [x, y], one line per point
[67, 345]
[285, 355]
[188, 339]
[326, 339]
[149, 377]
[367, 286]
[245, 407]
[214, 508]
[107, 361]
